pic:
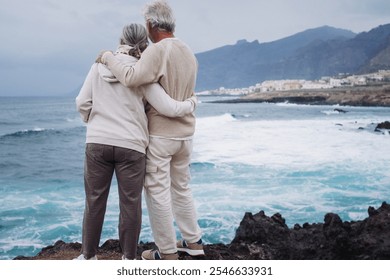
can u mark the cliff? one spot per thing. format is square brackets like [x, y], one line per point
[261, 237]
[308, 55]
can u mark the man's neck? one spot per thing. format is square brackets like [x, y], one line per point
[163, 35]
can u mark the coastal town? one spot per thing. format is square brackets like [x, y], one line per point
[341, 81]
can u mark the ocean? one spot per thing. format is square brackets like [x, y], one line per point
[301, 161]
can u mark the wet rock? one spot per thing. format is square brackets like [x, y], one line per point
[340, 110]
[383, 125]
[333, 239]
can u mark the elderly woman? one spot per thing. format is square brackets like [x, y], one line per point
[116, 141]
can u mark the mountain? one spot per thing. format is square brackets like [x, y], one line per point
[311, 54]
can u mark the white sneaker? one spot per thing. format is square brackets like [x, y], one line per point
[126, 259]
[82, 258]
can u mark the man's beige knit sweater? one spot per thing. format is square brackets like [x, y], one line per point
[171, 63]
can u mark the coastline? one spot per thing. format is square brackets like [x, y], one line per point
[260, 237]
[375, 96]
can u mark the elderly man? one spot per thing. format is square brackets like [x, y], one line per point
[117, 138]
[171, 63]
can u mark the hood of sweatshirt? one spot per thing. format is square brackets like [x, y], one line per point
[123, 54]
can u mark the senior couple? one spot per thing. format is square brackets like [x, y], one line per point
[138, 104]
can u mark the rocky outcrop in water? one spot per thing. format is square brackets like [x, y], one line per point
[383, 125]
[269, 238]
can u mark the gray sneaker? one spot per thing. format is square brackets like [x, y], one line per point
[193, 249]
[156, 255]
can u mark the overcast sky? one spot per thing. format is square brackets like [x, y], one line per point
[48, 46]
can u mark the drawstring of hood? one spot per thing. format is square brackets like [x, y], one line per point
[127, 50]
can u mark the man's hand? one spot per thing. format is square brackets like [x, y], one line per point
[99, 59]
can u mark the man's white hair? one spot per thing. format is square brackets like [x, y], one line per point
[159, 14]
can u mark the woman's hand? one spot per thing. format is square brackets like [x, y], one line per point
[100, 58]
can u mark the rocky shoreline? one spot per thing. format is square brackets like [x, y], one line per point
[260, 237]
[375, 96]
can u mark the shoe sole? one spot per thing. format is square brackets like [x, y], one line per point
[155, 259]
[191, 252]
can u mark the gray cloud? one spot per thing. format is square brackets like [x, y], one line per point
[48, 46]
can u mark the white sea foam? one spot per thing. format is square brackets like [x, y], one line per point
[11, 219]
[301, 168]
[10, 243]
[38, 129]
[293, 143]
[330, 112]
[288, 104]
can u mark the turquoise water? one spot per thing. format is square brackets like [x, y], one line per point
[301, 161]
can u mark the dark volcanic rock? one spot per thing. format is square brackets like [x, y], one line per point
[340, 110]
[383, 125]
[332, 240]
[269, 238]
[60, 250]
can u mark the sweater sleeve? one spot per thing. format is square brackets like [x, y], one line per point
[165, 105]
[84, 99]
[145, 71]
